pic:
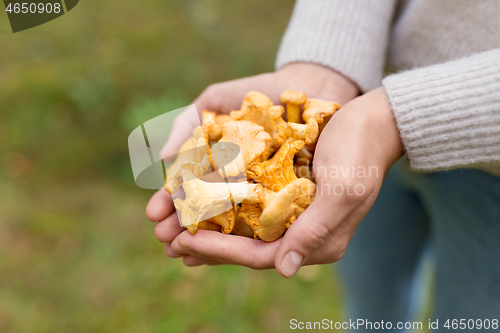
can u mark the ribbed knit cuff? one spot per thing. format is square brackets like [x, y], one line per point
[349, 36]
[449, 114]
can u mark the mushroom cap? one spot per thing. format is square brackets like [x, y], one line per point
[194, 156]
[312, 131]
[240, 227]
[207, 225]
[277, 172]
[277, 125]
[207, 117]
[224, 153]
[221, 119]
[291, 96]
[254, 108]
[210, 127]
[285, 207]
[252, 140]
[308, 131]
[185, 154]
[256, 100]
[225, 220]
[319, 109]
[250, 214]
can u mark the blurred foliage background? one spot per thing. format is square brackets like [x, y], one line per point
[76, 251]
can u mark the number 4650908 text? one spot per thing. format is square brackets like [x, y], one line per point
[33, 8]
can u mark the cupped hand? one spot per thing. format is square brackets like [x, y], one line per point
[316, 81]
[354, 153]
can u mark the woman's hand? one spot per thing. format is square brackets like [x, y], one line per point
[354, 153]
[316, 81]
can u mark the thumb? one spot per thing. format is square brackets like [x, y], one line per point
[182, 130]
[220, 97]
[309, 232]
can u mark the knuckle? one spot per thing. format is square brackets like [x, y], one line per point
[339, 254]
[160, 233]
[170, 252]
[211, 90]
[186, 260]
[349, 200]
[314, 236]
[258, 262]
[339, 249]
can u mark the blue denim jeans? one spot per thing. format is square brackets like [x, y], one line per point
[457, 213]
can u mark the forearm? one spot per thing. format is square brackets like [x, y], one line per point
[348, 36]
[448, 114]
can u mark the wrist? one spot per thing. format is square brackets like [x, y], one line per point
[383, 123]
[323, 82]
[366, 128]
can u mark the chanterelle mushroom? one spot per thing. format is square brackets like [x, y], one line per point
[277, 172]
[193, 156]
[210, 126]
[250, 214]
[284, 208]
[221, 119]
[259, 109]
[293, 99]
[303, 171]
[254, 108]
[303, 157]
[205, 200]
[224, 220]
[240, 227]
[252, 140]
[277, 126]
[308, 132]
[319, 109]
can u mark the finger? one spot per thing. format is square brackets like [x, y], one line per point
[170, 252]
[160, 206]
[192, 261]
[310, 231]
[221, 97]
[168, 229]
[182, 130]
[228, 249]
[335, 245]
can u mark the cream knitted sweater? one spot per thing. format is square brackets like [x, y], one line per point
[446, 96]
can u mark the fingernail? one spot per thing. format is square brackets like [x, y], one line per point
[291, 263]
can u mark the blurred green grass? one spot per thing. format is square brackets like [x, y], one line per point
[76, 251]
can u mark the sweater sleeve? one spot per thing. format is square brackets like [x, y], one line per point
[348, 36]
[449, 114]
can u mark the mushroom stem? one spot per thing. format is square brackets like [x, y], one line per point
[293, 113]
[205, 200]
[308, 131]
[293, 99]
[249, 193]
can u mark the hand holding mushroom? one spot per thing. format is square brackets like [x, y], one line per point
[363, 133]
[256, 146]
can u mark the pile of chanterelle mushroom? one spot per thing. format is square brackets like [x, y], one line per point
[249, 173]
